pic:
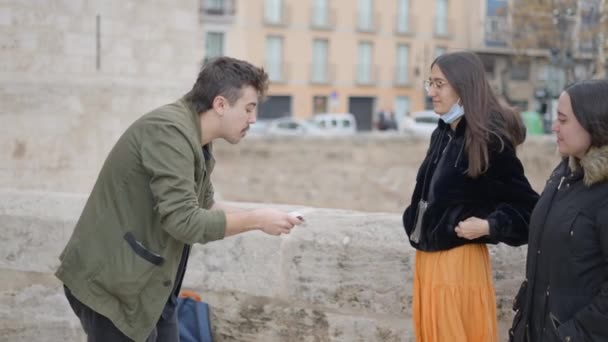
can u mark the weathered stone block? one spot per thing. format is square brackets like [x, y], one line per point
[237, 317]
[350, 261]
[37, 313]
[342, 276]
[5, 16]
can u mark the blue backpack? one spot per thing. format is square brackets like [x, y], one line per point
[193, 318]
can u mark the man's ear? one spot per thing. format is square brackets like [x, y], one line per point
[219, 104]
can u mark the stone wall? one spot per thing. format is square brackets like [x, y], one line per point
[368, 172]
[343, 276]
[60, 111]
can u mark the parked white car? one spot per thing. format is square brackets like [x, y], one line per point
[335, 123]
[292, 126]
[260, 127]
[421, 123]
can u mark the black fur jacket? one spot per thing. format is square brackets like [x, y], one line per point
[502, 195]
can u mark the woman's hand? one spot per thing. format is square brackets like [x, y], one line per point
[473, 228]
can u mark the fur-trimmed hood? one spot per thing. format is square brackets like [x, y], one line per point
[594, 165]
[566, 254]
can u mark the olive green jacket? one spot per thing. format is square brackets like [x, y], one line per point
[151, 198]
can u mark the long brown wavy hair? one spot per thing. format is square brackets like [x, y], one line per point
[487, 120]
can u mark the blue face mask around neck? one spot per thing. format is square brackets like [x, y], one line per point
[453, 114]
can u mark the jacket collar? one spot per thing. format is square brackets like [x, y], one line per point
[194, 116]
[460, 129]
[594, 165]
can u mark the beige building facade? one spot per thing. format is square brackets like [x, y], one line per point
[338, 55]
[361, 56]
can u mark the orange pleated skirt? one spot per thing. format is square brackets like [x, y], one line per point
[454, 299]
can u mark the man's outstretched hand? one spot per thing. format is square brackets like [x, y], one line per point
[270, 221]
[276, 222]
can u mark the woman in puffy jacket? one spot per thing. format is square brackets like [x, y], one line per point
[470, 190]
[565, 294]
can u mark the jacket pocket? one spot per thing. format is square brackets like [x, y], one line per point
[127, 271]
[142, 251]
[444, 231]
[554, 321]
[550, 333]
[582, 237]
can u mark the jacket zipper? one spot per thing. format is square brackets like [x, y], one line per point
[561, 181]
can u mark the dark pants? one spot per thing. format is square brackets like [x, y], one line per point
[100, 329]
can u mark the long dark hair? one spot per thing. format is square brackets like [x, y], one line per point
[487, 120]
[589, 100]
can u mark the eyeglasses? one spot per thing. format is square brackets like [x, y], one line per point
[437, 84]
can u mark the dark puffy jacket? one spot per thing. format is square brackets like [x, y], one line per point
[502, 195]
[565, 294]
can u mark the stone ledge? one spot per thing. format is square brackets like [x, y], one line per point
[37, 312]
[343, 276]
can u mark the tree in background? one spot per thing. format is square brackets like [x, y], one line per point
[572, 30]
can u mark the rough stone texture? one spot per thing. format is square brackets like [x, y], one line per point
[374, 172]
[343, 276]
[260, 319]
[34, 309]
[367, 172]
[60, 113]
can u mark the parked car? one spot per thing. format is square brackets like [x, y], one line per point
[292, 126]
[336, 123]
[419, 123]
[260, 127]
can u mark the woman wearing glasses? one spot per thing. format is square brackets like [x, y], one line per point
[470, 190]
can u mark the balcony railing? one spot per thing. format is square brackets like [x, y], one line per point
[283, 19]
[371, 25]
[326, 21]
[322, 74]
